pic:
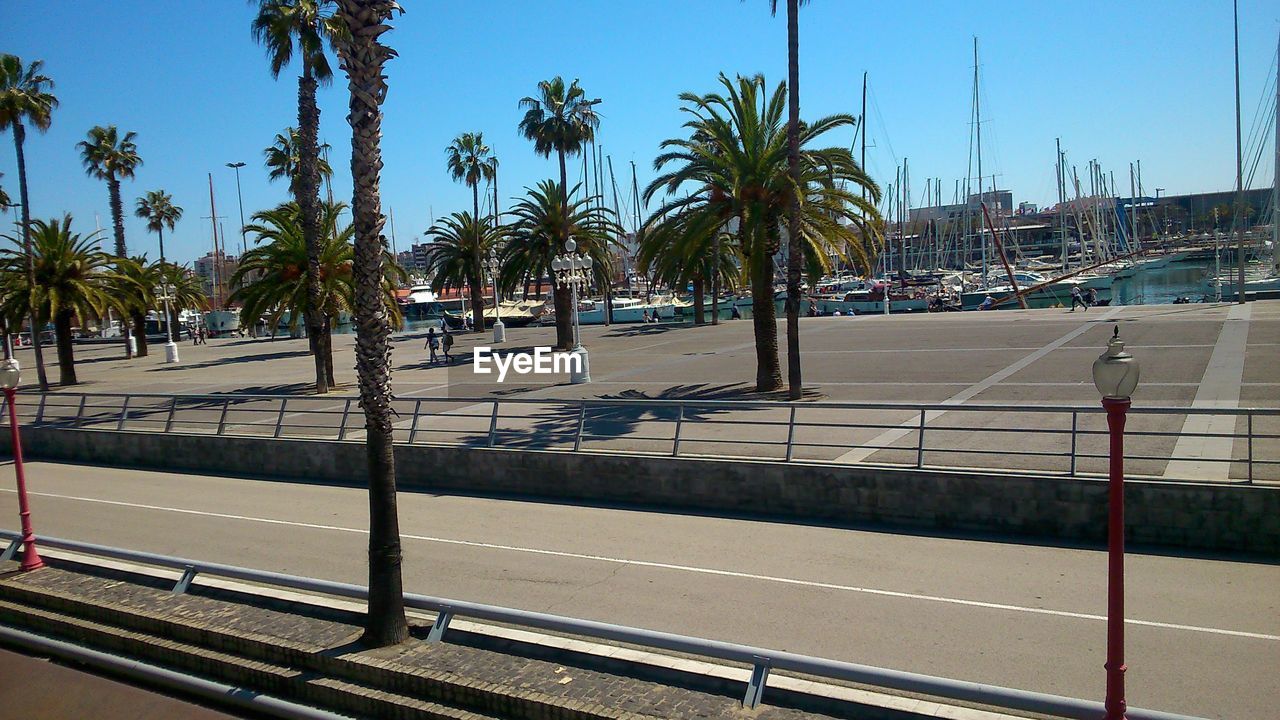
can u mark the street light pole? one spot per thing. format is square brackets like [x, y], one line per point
[499, 330]
[244, 246]
[1115, 374]
[572, 269]
[9, 378]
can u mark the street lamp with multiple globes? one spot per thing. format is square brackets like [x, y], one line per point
[499, 330]
[9, 378]
[1115, 374]
[573, 270]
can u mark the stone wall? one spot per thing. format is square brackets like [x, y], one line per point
[1200, 516]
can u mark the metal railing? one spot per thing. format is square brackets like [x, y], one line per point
[761, 660]
[1238, 445]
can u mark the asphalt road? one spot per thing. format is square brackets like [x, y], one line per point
[1203, 639]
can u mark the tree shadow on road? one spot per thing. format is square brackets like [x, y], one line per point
[239, 359]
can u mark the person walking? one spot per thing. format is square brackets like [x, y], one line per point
[433, 344]
[447, 343]
[1077, 299]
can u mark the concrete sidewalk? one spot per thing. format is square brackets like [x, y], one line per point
[39, 689]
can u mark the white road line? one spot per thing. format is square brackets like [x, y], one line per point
[889, 437]
[673, 566]
[1219, 388]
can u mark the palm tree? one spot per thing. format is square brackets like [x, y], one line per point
[284, 160]
[73, 279]
[560, 120]
[108, 156]
[469, 161]
[5, 202]
[456, 256]
[25, 98]
[364, 57]
[688, 248]
[278, 26]
[538, 228]
[136, 291]
[735, 159]
[271, 278]
[794, 255]
[157, 208]
[186, 291]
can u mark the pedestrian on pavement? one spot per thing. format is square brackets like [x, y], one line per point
[1092, 296]
[447, 343]
[735, 313]
[1078, 299]
[433, 344]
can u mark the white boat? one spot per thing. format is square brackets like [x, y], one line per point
[222, 322]
[625, 310]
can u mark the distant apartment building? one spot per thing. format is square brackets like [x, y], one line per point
[999, 204]
[215, 273]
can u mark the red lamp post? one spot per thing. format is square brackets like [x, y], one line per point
[9, 377]
[1115, 374]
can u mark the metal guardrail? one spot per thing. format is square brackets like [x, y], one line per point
[761, 660]
[1057, 439]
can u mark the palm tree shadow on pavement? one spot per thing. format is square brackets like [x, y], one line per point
[219, 362]
[556, 427]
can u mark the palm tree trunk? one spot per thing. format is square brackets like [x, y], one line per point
[715, 279]
[19, 136]
[764, 318]
[699, 303]
[309, 204]
[477, 278]
[66, 356]
[140, 332]
[363, 57]
[563, 296]
[117, 230]
[328, 356]
[794, 255]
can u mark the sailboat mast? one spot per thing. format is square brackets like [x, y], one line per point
[1275, 179]
[864, 131]
[1238, 215]
[217, 270]
[1062, 222]
[977, 111]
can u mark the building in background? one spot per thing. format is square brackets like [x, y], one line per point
[215, 273]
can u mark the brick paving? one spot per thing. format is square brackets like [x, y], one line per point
[570, 681]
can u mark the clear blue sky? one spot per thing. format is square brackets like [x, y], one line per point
[1116, 81]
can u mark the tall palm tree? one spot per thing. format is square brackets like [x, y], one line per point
[794, 256]
[157, 208]
[364, 57]
[457, 253]
[73, 279]
[111, 157]
[539, 225]
[279, 25]
[25, 98]
[284, 160]
[735, 160]
[560, 120]
[470, 162]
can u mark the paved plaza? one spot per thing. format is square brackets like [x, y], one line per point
[1201, 356]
